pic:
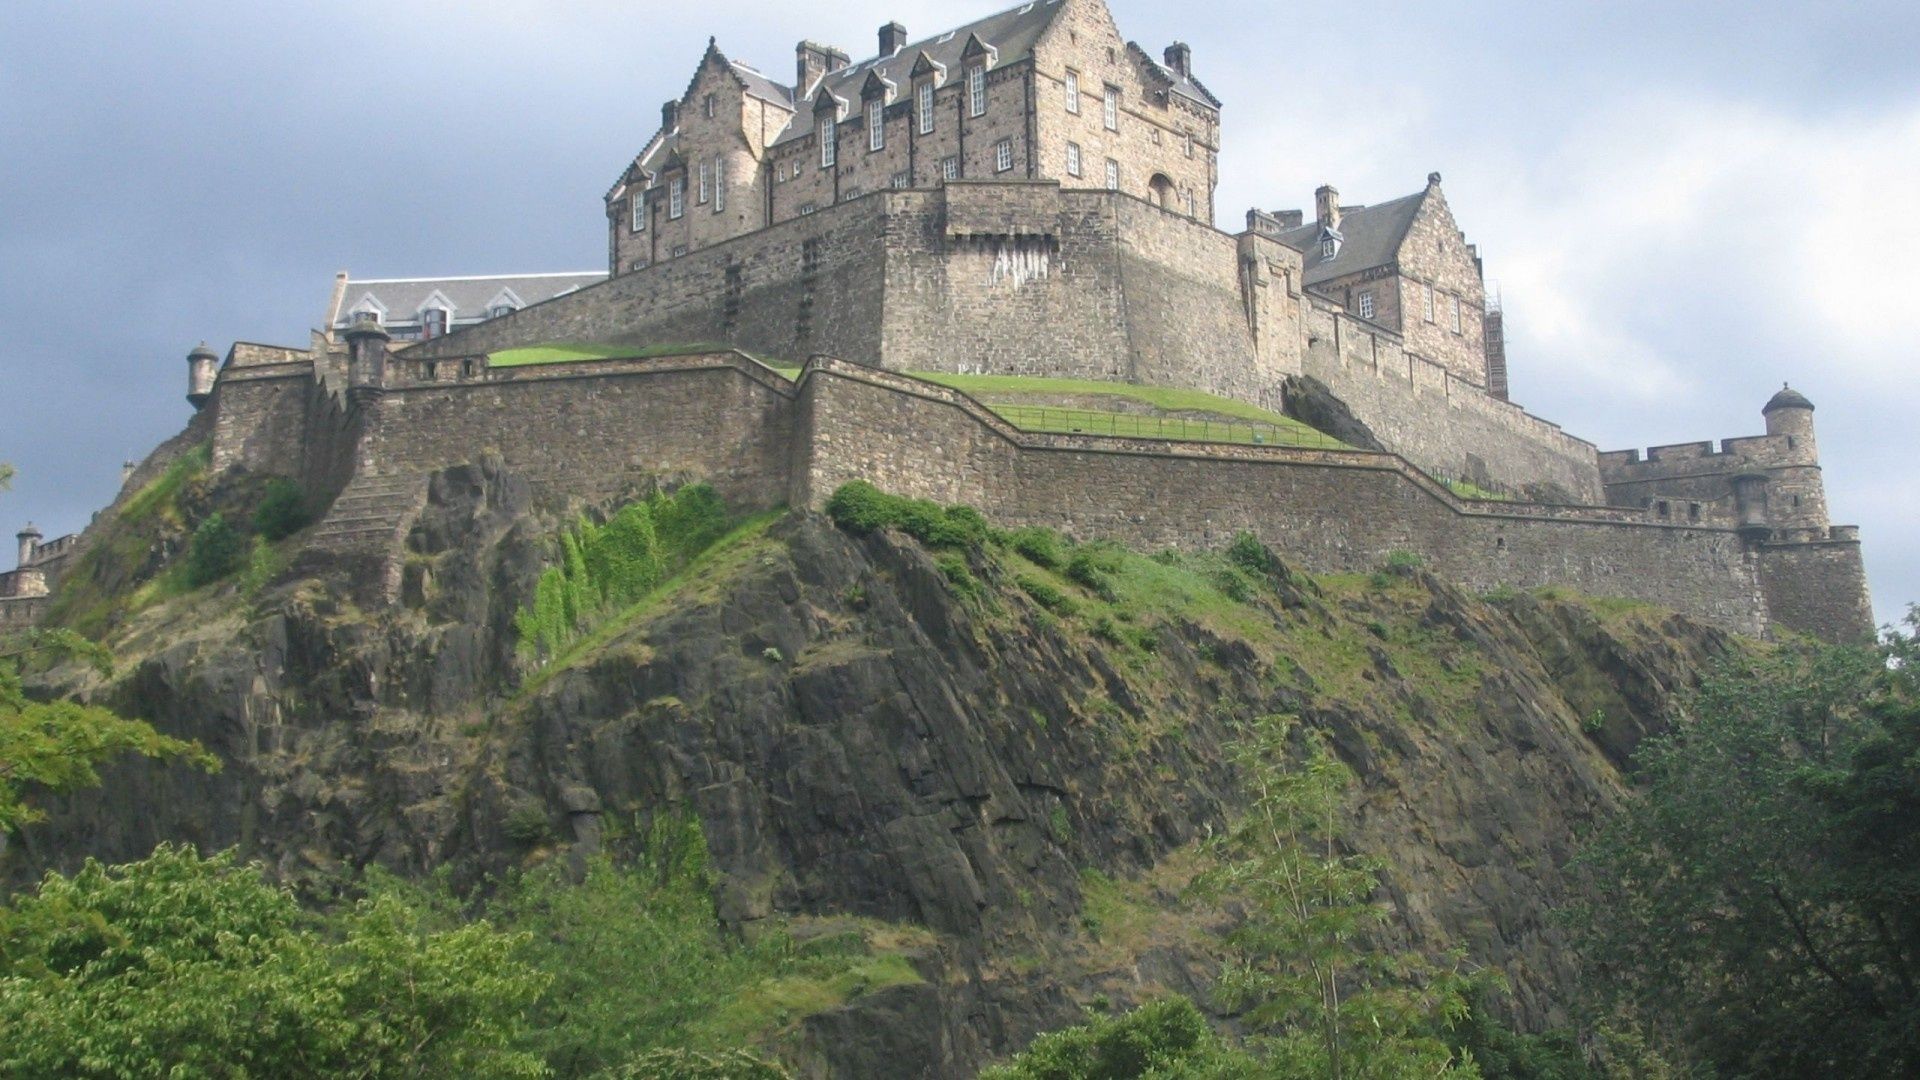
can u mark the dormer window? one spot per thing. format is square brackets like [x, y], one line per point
[925, 107]
[498, 310]
[433, 323]
[829, 138]
[1329, 247]
[977, 90]
[876, 126]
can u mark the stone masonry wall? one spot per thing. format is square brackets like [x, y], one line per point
[259, 418]
[1420, 411]
[1819, 587]
[1434, 257]
[1327, 511]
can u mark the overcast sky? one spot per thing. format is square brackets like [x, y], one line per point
[1682, 204]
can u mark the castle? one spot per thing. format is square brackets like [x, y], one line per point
[1028, 195]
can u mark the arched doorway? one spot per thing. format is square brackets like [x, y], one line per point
[1160, 191]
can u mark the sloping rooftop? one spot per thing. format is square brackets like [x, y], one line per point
[401, 298]
[1012, 33]
[1370, 236]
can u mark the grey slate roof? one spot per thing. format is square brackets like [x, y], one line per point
[1012, 33]
[1370, 237]
[402, 297]
[762, 87]
[1787, 398]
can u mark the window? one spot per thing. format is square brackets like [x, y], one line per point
[719, 184]
[1073, 159]
[1189, 144]
[876, 125]
[709, 106]
[1366, 305]
[1189, 197]
[1329, 248]
[1073, 92]
[805, 209]
[1113, 175]
[926, 107]
[901, 180]
[1429, 302]
[639, 213]
[676, 197]
[829, 138]
[1456, 315]
[1110, 109]
[853, 192]
[950, 167]
[679, 250]
[977, 90]
[498, 310]
[706, 184]
[433, 323]
[1003, 155]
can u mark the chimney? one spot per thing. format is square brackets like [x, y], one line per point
[1290, 219]
[811, 61]
[893, 38]
[1326, 207]
[670, 117]
[1180, 58]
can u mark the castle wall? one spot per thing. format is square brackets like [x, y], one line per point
[1421, 411]
[1819, 587]
[1326, 511]
[259, 417]
[719, 418]
[1702, 472]
[1434, 256]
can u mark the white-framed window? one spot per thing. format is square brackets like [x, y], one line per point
[829, 142]
[1110, 108]
[433, 323]
[977, 90]
[1003, 155]
[1113, 175]
[1329, 248]
[950, 167]
[1456, 315]
[851, 193]
[796, 168]
[925, 106]
[719, 184]
[498, 310]
[1073, 92]
[1073, 159]
[1429, 302]
[676, 197]
[639, 212]
[706, 184]
[1366, 305]
[901, 180]
[876, 124]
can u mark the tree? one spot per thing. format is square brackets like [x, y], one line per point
[1165, 1040]
[184, 966]
[1758, 902]
[58, 746]
[214, 551]
[1330, 1006]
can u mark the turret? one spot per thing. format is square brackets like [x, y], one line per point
[202, 362]
[1798, 497]
[1326, 207]
[1750, 505]
[366, 356]
[29, 542]
[1789, 413]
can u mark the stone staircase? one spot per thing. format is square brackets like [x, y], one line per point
[370, 520]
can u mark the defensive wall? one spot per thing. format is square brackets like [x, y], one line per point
[590, 427]
[1027, 278]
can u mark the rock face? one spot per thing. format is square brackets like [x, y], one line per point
[860, 737]
[1309, 401]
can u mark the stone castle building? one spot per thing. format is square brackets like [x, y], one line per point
[947, 206]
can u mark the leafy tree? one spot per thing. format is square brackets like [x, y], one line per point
[1328, 1005]
[1759, 902]
[214, 551]
[1163, 1040]
[58, 746]
[182, 966]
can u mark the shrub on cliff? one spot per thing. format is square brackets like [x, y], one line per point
[859, 507]
[1165, 1038]
[214, 552]
[282, 511]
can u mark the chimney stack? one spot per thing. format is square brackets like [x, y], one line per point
[811, 61]
[1326, 207]
[670, 117]
[893, 38]
[1290, 219]
[1180, 58]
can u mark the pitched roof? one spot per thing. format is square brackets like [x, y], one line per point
[400, 298]
[1185, 86]
[1011, 33]
[760, 86]
[1370, 236]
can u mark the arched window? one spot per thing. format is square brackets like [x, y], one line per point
[1160, 191]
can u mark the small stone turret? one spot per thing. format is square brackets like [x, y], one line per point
[366, 357]
[1789, 413]
[202, 363]
[29, 541]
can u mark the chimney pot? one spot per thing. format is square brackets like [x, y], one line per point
[893, 38]
[1180, 58]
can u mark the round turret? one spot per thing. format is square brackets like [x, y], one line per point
[366, 354]
[1789, 413]
[202, 362]
[29, 538]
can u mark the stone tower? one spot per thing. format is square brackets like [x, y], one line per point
[202, 363]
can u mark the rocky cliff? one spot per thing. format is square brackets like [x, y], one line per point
[969, 742]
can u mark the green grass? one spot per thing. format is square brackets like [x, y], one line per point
[569, 352]
[1215, 421]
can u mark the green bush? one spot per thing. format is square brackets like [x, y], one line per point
[1040, 546]
[282, 512]
[214, 552]
[1165, 1038]
[1252, 556]
[680, 1064]
[1091, 572]
[953, 567]
[859, 507]
[1402, 563]
[1047, 595]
